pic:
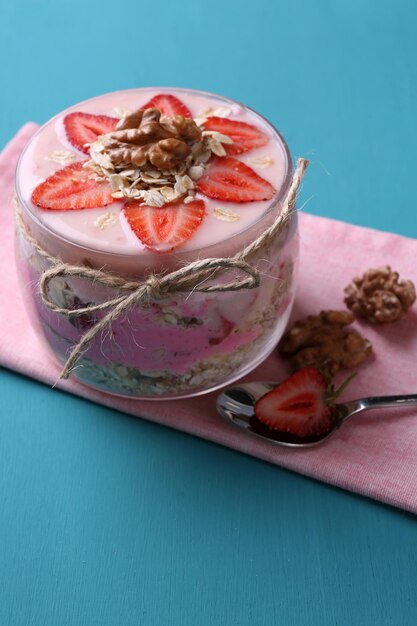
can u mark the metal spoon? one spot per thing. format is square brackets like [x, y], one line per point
[236, 405]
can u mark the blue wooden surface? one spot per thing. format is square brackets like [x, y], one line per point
[112, 521]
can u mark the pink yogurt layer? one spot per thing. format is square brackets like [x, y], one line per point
[150, 342]
[79, 226]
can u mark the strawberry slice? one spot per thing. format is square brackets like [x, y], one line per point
[168, 105]
[84, 128]
[297, 408]
[71, 188]
[228, 179]
[245, 136]
[165, 228]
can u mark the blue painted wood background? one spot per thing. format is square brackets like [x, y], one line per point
[106, 520]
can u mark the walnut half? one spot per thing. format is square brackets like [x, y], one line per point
[324, 340]
[379, 296]
[146, 136]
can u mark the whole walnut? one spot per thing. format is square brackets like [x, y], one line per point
[324, 340]
[379, 296]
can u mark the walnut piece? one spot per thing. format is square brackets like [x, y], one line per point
[182, 127]
[379, 296]
[131, 120]
[146, 136]
[324, 340]
[167, 153]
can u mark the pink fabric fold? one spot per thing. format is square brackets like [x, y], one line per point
[374, 454]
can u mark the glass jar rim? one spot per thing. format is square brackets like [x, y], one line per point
[280, 194]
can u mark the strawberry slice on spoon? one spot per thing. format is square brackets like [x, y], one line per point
[245, 137]
[297, 406]
[228, 179]
[166, 228]
[168, 104]
[301, 409]
[72, 188]
[82, 129]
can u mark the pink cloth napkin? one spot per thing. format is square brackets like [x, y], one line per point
[374, 454]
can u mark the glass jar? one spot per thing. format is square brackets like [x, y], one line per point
[173, 347]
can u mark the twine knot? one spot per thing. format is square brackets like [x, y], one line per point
[153, 287]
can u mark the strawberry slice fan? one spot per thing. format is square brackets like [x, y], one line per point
[166, 228]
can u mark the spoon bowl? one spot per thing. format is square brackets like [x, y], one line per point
[236, 406]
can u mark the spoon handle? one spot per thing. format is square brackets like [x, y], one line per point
[377, 402]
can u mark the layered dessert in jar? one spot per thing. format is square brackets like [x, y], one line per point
[141, 183]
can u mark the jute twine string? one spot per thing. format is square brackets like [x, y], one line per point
[189, 278]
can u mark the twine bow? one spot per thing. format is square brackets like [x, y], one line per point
[192, 277]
